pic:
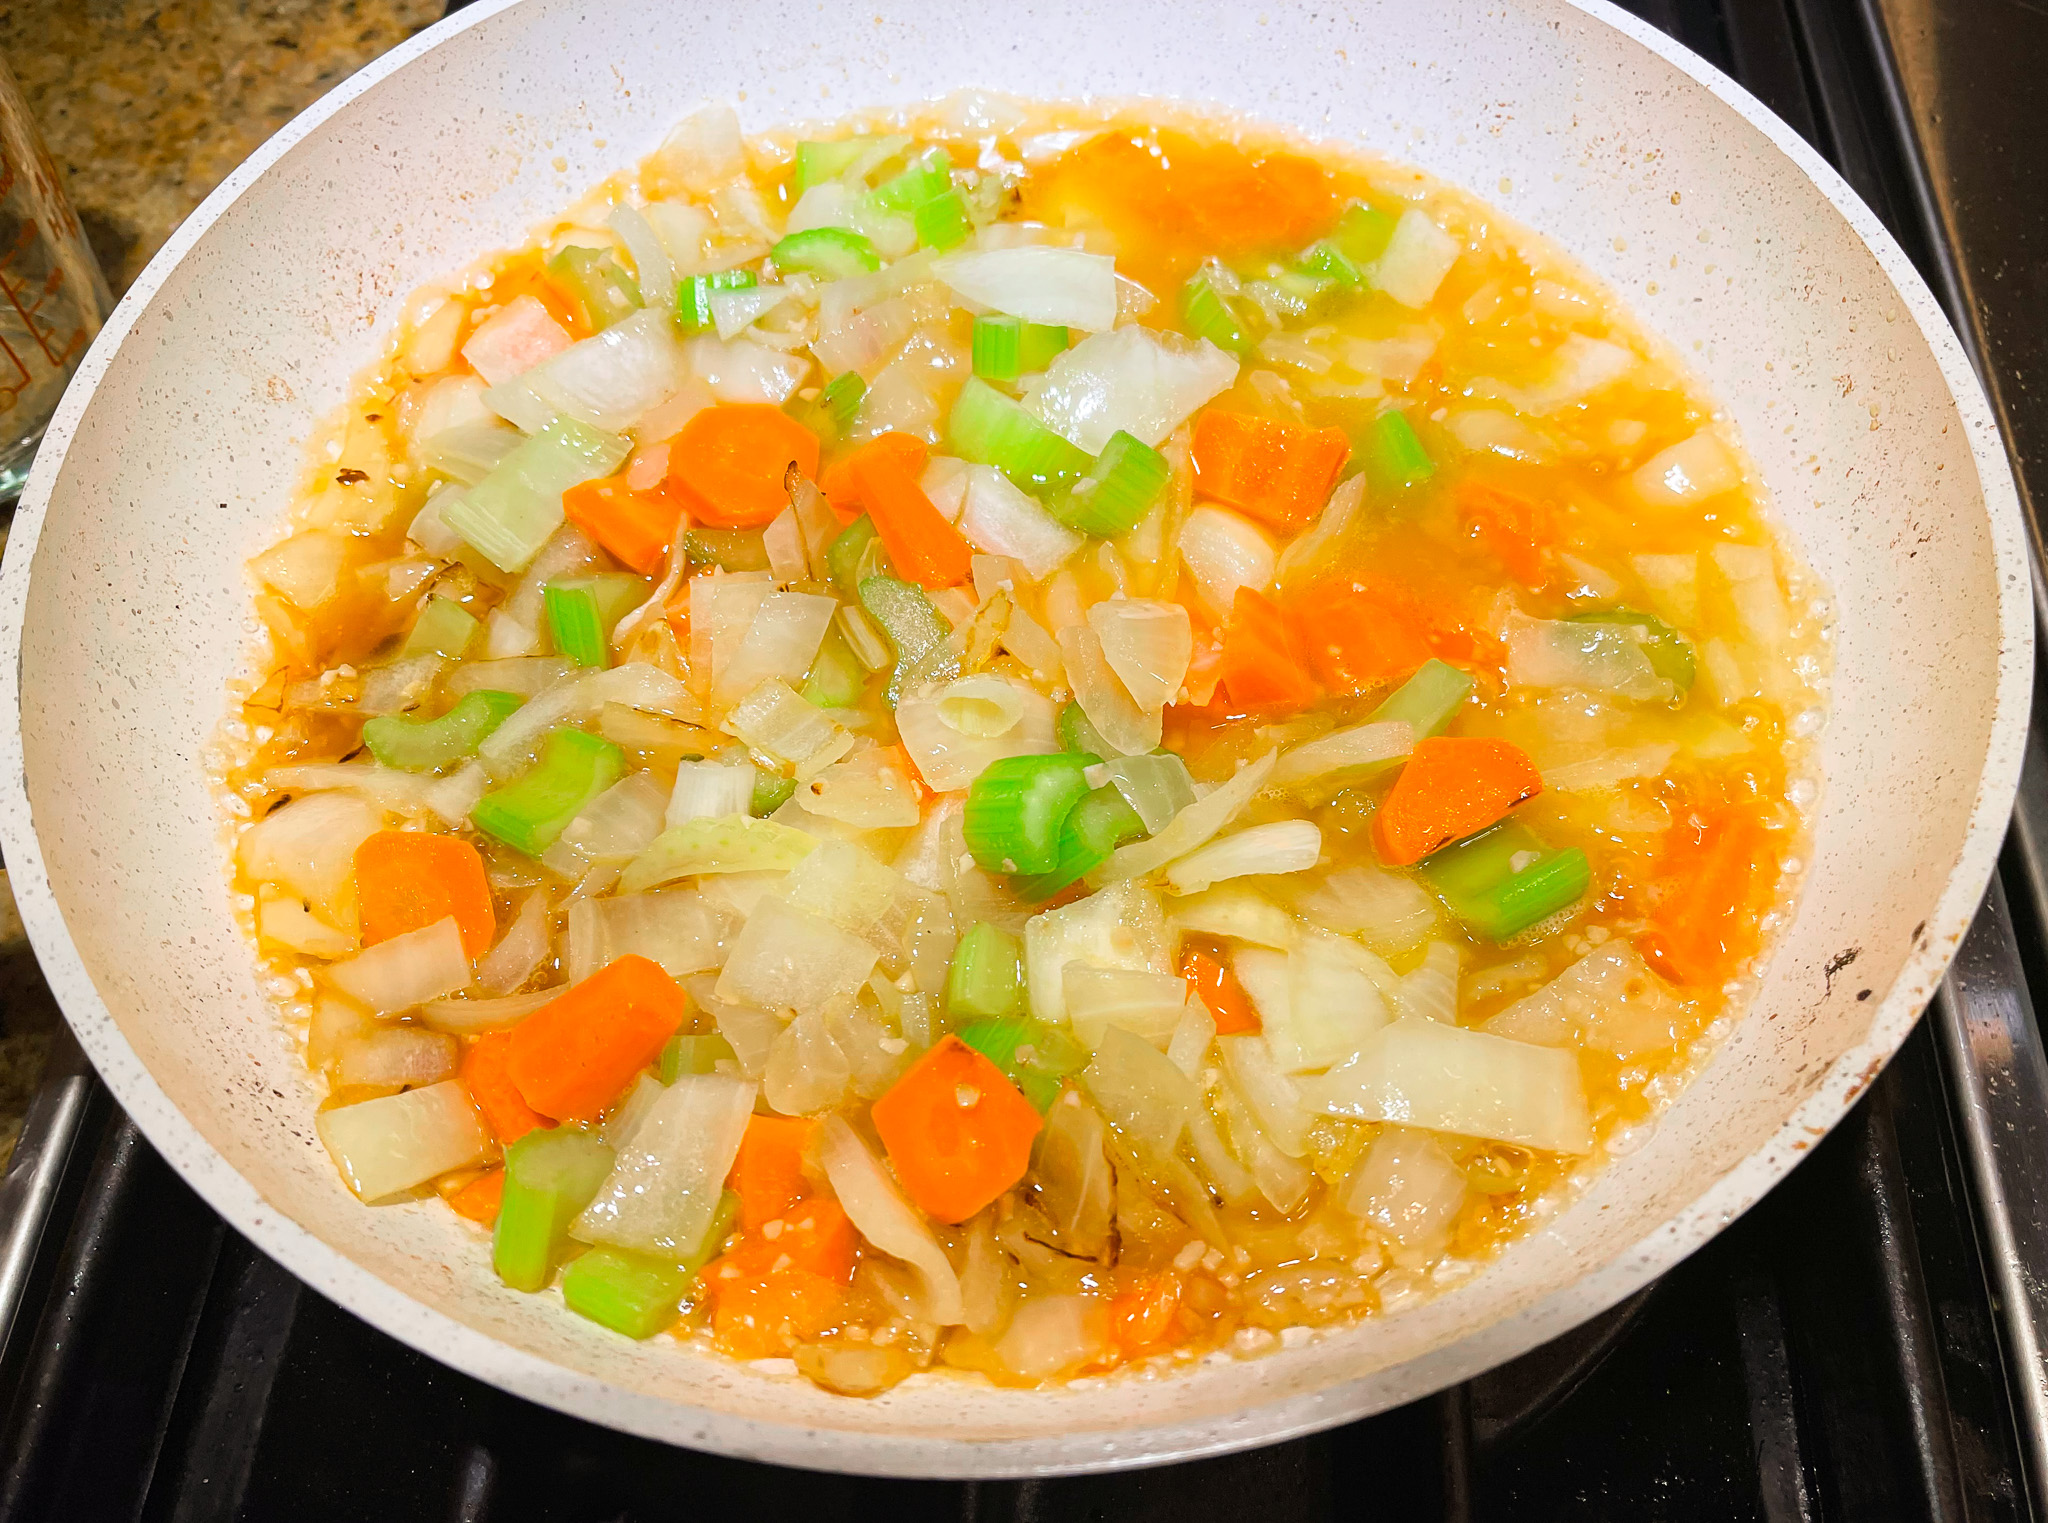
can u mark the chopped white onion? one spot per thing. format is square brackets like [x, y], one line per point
[1321, 996]
[867, 791]
[1147, 644]
[781, 640]
[708, 790]
[309, 847]
[1492, 431]
[653, 270]
[1188, 1048]
[396, 1057]
[938, 728]
[1608, 1000]
[1448, 1079]
[702, 151]
[774, 720]
[1416, 260]
[516, 742]
[842, 883]
[514, 339]
[1145, 1097]
[1193, 826]
[1282, 846]
[789, 560]
[682, 229]
[521, 950]
[999, 518]
[620, 822]
[663, 1191]
[1049, 1334]
[1124, 727]
[789, 959]
[1577, 368]
[1279, 1178]
[611, 379]
[741, 370]
[1390, 912]
[475, 1017]
[1272, 1096]
[1065, 287]
[1429, 990]
[283, 918]
[1358, 746]
[524, 675]
[405, 971]
[1133, 379]
[1583, 658]
[736, 845]
[733, 312]
[807, 1070]
[1224, 551]
[1610, 769]
[386, 787]
[678, 927]
[1121, 927]
[878, 1210]
[1674, 585]
[626, 1116]
[1408, 1187]
[1688, 472]
[1237, 912]
[1142, 1002]
[396, 1142]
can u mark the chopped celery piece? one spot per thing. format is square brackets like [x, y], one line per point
[943, 222]
[1016, 808]
[929, 174]
[1156, 784]
[551, 1174]
[1095, 827]
[836, 680]
[694, 1055]
[530, 812]
[693, 296]
[1327, 262]
[513, 511]
[1395, 455]
[1076, 734]
[841, 397]
[1362, 232]
[988, 428]
[574, 625]
[444, 628]
[1501, 881]
[986, 981]
[1039, 344]
[843, 555]
[598, 284]
[832, 252]
[1427, 701]
[639, 1294]
[916, 631]
[1008, 347]
[1670, 656]
[818, 162]
[1036, 1057]
[770, 793]
[427, 745]
[727, 549]
[1205, 314]
[1118, 490]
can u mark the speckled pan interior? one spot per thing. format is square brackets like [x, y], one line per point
[125, 609]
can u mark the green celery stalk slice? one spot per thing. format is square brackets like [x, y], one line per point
[537, 806]
[427, 745]
[550, 1175]
[986, 981]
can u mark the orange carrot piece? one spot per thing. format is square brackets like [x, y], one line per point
[782, 1283]
[1262, 664]
[1271, 468]
[1518, 531]
[768, 1174]
[478, 1200]
[637, 527]
[957, 1130]
[1210, 980]
[1141, 1319]
[1358, 640]
[572, 1058]
[408, 879]
[843, 492]
[1452, 787]
[728, 465]
[923, 547]
[1717, 875]
[490, 1085]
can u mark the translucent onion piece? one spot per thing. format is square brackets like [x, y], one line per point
[1409, 1188]
[702, 151]
[881, 1214]
[1674, 585]
[1689, 472]
[1333, 1005]
[741, 370]
[626, 1116]
[1416, 260]
[1075, 1188]
[807, 1072]
[663, 1191]
[1237, 912]
[708, 790]
[740, 845]
[722, 609]
[1000, 518]
[1193, 826]
[1232, 1179]
[1493, 431]
[453, 796]
[395, 975]
[1390, 912]
[1049, 1334]
[1583, 658]
[1577, 368]
[1429, 991]
[516, 742]
[1357, 746]
[1142, 1002]
[1609, 769]
[611, 378]
[1135, 379]
[385, 787]
[781, 640]
[283, 919]
[1121, 927]
[474, 1017]
[1283, 846]
[1128, 729]
[679, 928]
[514, 339]
[653, 270]
[1064, 287]
[1608, 1000]
[1271, 1095]
[524, 675]
[393, 1143]
[1155, 785]
[1147, 644]
[938, 728]
[867, 791]
[620, 822]
[396, 1057]
[335, 1023]
[1223, 552]
[1188, 1047]
[788, 558]
[733, 312]
[1142, 1094]
[774, 720]
[521, 950]
[789, 959]
[1276, 1176]
[842, 883]
[1429, 1074]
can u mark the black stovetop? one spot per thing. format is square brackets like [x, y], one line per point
[1835, 1355]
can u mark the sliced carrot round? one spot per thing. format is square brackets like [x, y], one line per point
[957, 1130]
[1453, 786]
[407, 879]
[729, 463]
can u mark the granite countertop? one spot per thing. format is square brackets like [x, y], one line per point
[146, 106]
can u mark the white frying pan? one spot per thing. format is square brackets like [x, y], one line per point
[173, 455]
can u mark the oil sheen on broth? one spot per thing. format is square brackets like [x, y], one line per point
[1018, 750]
